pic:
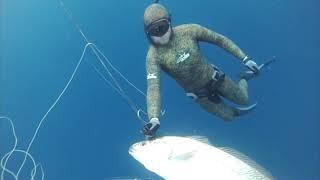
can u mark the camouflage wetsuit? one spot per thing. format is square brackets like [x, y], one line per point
[182, 59]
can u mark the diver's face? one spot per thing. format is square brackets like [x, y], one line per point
[160, 31]
[163, 40]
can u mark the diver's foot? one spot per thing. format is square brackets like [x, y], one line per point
[239, 111]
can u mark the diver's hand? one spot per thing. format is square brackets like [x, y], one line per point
[250, 64]
[151, 128]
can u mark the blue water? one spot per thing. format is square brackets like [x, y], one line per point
[88, 133]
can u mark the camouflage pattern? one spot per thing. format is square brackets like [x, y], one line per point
[155, 12]
[182, 59]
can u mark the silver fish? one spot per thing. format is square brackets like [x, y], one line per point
[193, 158]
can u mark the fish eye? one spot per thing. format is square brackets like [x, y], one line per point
[143, 143]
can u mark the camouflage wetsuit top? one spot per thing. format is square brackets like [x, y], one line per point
[182, 59]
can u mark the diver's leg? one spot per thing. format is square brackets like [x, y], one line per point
[237, 93]
[220, 109]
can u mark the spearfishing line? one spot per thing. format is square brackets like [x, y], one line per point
[115, 86]
[116, 70]
[128, 100]
[77, 26]
[3, 165]
[7, 156]
[54, 104]
[98, 53]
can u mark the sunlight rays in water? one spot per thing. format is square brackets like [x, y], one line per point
[114, 84]
[108, 71]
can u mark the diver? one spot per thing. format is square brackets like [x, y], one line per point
[176, 51]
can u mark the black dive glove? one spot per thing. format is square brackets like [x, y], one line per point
[250, 64]
[151, 128]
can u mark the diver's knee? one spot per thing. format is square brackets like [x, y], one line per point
[227, 115]
[221, 110]
[228, 118]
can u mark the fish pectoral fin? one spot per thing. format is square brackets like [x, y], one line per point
[182, 156]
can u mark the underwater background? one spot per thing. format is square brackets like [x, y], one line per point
[88, 133]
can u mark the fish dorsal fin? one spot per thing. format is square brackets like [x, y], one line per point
[202, 139]
[247, 160]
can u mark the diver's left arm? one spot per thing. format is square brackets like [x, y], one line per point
[207, 35]
[153, 94]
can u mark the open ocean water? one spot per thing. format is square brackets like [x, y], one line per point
[88, 133]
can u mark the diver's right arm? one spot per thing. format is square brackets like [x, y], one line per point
[153, 93]
[207, 35]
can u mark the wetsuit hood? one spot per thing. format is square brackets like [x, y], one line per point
[155, 12]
